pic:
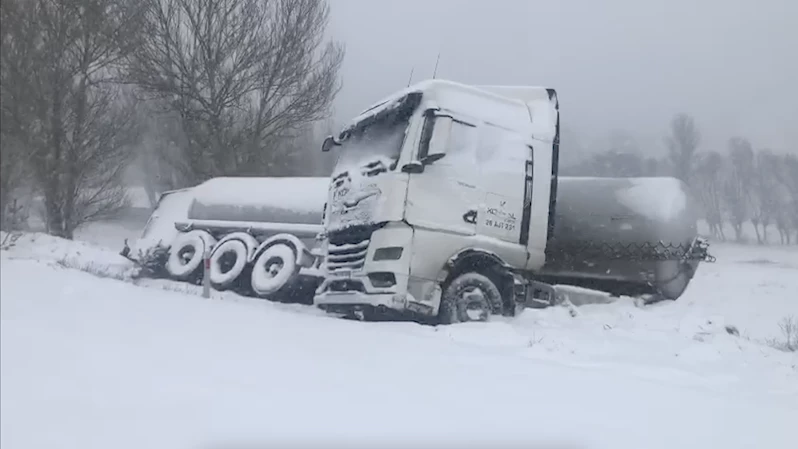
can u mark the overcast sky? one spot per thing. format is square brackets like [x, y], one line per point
[629, 64]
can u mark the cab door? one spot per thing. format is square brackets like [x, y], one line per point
[502, 158]
[446, 196]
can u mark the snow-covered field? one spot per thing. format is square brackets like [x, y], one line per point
[90, 362]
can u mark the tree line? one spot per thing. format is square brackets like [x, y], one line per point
[734, 186]
[185, 89]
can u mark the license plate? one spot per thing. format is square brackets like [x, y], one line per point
[343, 274]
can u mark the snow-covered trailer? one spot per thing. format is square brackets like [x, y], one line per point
[260, 233]
[624, 236]
[159, 230]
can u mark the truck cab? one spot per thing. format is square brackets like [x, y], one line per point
[442, 195]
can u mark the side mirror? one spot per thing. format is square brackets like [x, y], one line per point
[439, 141]
[328, 143]
[413, 167]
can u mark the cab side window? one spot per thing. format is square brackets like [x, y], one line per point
[462, 145]
[498, 147]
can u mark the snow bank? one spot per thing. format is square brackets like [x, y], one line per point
[101, 334]
[661, 199]
[111, 233]
[55, 251]
[148, 368]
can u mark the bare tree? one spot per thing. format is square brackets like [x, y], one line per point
[787, 178]
[244, 76]
[682, 144]
[766, 196]
[15, 113]
[65, 113]
[708, 184]
[783, 215]
[739, 183]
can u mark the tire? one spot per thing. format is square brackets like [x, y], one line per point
[273, 269]
[186, 254]
[469, 297]
[228, 261]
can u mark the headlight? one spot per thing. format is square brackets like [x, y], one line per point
[382, 280]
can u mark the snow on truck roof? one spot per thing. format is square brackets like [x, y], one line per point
[517, 93]
[540, 102]
[526, 94]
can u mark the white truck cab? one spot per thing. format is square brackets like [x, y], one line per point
[441, 199]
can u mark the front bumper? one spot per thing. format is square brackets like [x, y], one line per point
[352, 301]
[352, 283]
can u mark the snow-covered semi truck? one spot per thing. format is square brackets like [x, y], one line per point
[445, 204]
[260, 233]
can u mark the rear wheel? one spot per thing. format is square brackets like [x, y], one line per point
[469, 297]
[273, 269]
[186, 254]
[228, 261]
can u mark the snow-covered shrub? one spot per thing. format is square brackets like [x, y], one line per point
[788, 341]
[152, 262]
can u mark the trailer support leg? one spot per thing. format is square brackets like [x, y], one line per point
[206, 274]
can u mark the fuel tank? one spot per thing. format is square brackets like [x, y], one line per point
[623, 235]
[296, 200]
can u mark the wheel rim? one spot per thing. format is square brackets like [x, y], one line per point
[473, 305]
[227, 261]
[186, 254]
[273, 266]
[273, 270]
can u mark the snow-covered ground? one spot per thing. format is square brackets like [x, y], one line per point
[90, 362]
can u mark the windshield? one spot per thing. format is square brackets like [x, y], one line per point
[374, 148]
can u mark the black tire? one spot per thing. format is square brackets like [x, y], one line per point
[187, 253]
[274, 270]
[228, 262]
[467, 293]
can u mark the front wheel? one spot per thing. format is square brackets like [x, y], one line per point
[469, 297]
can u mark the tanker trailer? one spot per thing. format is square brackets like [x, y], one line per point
[172, 206]
[624, 236]
[150, 250]
[260, 234]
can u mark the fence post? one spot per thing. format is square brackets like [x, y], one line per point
[206, 274]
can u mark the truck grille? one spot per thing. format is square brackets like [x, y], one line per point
[347, 249]
[351, 256]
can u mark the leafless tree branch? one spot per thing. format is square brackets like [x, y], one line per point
[244, 76]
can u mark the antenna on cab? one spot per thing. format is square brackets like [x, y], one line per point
[435, 72]
[410, 80]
